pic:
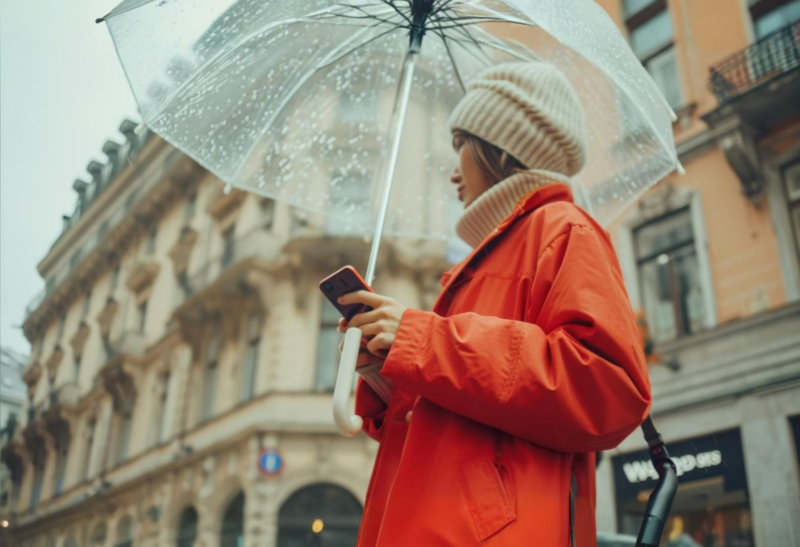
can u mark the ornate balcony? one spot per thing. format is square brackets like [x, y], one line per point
[768, 61]
[757, 88]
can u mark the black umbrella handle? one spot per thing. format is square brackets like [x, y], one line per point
[660, 502]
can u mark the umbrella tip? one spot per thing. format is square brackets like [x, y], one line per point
[679, 168]
[99, 19]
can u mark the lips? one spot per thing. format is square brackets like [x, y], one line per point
[460, 193]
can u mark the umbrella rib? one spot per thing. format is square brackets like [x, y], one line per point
[452, 59]
[464, 31]
[391, 4]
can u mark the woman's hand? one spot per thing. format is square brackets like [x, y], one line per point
[364, 356]
[380, 325]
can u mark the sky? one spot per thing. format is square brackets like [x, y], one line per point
[62, 95]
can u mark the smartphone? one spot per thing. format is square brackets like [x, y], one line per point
[341, 282]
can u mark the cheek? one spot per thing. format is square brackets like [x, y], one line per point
[471, 173]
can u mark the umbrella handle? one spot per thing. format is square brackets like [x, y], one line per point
[347, 424]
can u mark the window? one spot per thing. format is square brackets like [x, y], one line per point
[74, 260]
[161, 409]
[114, 278]
[355, 107]
[268, 212]
[233, 523]
[652, 39]
[772, 15]
[187, 528]
[669, 276]
[142, 312]
[62, 450]
[61, 324]
[98, 538]
[124, 532]
[251, 357]
[189, 208]
[349, 192]
[76, 375]
[791, 178]
[228, 246]
[210, 376]
[328, 347]
[125, 422]
[87, 302]
[49, 285]
[90, 426]
[152, 238]
[39, 458]
[335, 512]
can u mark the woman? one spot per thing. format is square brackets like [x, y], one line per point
[530, 361]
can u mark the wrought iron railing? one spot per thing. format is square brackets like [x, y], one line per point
[773, 55]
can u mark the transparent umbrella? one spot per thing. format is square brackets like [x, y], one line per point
[306, 101]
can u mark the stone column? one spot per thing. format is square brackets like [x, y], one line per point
[177, 395]
[772, 478]
[102, 432]
[51, 463]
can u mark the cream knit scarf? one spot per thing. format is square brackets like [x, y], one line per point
[495, 205]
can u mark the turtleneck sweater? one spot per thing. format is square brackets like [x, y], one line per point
[492, 207]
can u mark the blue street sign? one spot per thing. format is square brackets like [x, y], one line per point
[270, 462]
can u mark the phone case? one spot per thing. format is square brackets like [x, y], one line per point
[341, 282]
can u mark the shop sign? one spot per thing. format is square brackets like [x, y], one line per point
[642, 470]
[717, 454]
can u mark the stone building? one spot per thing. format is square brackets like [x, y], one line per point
[12, 401]
[179, 387]
[712, 261]
[181, 355]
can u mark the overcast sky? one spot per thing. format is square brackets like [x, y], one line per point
[62, 94]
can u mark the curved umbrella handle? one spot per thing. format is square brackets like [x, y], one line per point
[347, 424]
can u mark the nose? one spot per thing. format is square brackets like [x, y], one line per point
[455, 176]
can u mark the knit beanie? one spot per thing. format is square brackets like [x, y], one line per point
[530, 110]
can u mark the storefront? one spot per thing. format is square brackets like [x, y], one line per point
[712, 506]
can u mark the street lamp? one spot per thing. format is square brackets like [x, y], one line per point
[4, 524]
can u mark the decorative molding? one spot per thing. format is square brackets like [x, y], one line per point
[143, 274]
[78, 341]
[106, 317]
[223, 204]
[182, 249]
[31, 376]
[739, 143]
[54, 361]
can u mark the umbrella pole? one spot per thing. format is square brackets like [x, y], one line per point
[399, 118]
[347, 423]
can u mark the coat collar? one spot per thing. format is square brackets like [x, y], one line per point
[527, 204]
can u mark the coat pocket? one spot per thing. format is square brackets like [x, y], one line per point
[488, 501]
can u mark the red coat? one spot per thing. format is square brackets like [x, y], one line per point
[529, 364]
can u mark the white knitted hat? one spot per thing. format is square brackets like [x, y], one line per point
[531, 111]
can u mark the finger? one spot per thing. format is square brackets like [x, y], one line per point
[342, 326]
[371, 316]
[379, 345]
[363, 297]
[372, 329]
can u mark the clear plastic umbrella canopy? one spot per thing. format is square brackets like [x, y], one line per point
[297, 100]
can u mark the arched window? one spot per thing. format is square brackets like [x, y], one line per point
[124, 532]
[187, 528]
[98, 538]
[233, 523]
[323, 515]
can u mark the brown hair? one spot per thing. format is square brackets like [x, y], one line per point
[495, 164]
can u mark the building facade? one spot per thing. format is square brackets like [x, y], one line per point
[12, 401]
[179, 388]
[181, 365]
[711, 260]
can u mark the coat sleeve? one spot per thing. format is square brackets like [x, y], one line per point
[571, 377]
[371, 408]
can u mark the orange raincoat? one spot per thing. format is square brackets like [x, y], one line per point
[529, 364]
